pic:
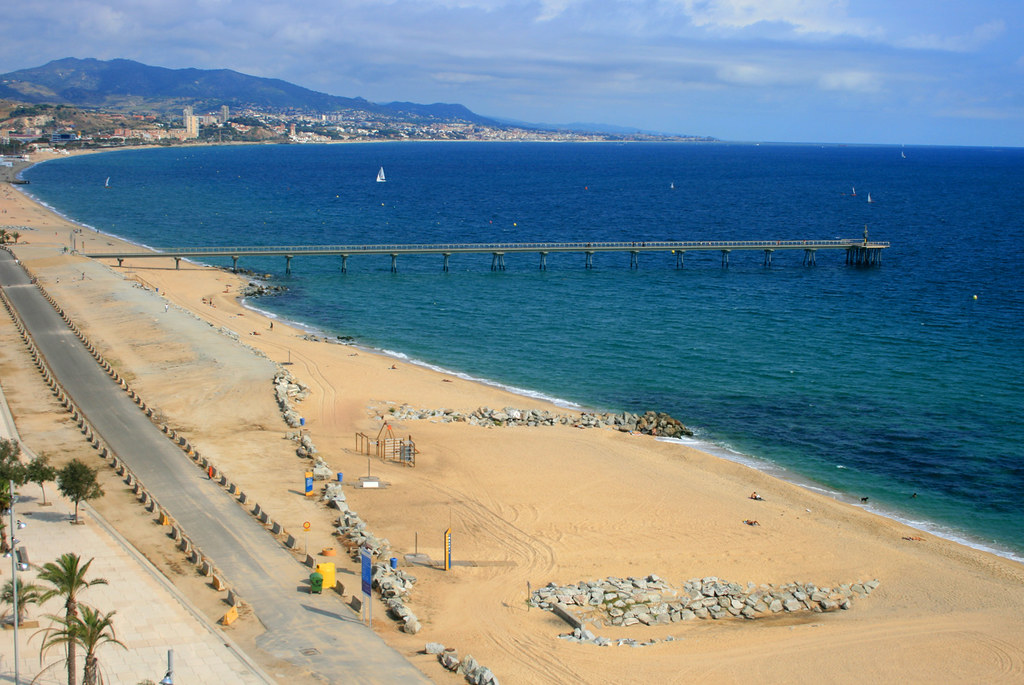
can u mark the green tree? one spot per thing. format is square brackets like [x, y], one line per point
[28, 594]
[11, 469]
[67, 576]
[78, 483]
[90, 632]
[15, 235]
[39, 471]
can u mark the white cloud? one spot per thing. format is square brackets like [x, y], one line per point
[969, 42]
[852, 81]
[829, 17]
[460, 77]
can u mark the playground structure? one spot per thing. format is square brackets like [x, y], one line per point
[387, 447]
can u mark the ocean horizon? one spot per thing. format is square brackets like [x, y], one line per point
[900, 383]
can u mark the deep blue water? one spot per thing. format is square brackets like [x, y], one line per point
[879, 382]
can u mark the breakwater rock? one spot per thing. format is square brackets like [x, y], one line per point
[650, 423]
[467, 666]
[286, 391]
[653, 601]
[257, 289]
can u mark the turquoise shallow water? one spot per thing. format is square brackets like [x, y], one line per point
[879, 382]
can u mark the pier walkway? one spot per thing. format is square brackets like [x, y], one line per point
[858, 252]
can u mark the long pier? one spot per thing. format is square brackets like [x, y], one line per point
[858, 252]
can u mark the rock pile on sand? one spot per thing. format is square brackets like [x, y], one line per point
[287, 390]
[468, 666]
[653, 601]
[650, 423]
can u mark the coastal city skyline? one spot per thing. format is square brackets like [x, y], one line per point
[785, 70]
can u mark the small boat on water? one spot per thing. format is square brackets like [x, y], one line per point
[869, 198]
[380, 176]
[106, 184]
[672, 185]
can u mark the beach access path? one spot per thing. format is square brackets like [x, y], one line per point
[325, 637]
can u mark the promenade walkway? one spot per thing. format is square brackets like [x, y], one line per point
[152, 616]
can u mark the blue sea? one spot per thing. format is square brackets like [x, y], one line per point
[877, 382]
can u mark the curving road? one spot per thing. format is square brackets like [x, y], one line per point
[319, 634]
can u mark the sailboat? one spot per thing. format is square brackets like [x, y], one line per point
[106, 183]
[903, 154]
[672, 185]
[853, 192]
[869, 198]
[380, 176]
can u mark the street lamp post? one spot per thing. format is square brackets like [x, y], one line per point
[169, 678]
[14, 585]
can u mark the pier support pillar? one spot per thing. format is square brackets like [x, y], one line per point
[810, 257]
[680, 254]
[590, 260]
[394, 263]
[344, 263]
[634, 259]
[288, 264]
[543, 261]
[177, 263]
[446, 255]
[234, 263]
[768, 254]
[725, 257]
[497, 261]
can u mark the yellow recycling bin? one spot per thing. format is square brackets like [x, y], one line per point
[327, 571]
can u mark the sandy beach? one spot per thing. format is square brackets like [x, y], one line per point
[527, 505]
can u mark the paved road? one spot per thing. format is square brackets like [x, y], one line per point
[319, 633]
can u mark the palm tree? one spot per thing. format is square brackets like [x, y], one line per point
[67, 576]
[28, 593]
[15, 235]
[91, 631]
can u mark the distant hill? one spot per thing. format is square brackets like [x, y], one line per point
[128, 86]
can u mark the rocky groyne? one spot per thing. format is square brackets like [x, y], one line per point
[258, 289]
[652, 601]
[648, 423]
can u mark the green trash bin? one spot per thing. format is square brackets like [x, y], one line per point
[316, 583]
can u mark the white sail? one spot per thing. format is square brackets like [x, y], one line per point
[380, 176]
[106, 184]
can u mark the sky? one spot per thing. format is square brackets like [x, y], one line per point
[913, 72]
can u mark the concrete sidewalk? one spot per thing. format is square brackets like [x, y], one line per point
[152, 616]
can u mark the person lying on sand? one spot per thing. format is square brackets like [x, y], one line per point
[751, 522]
[756, 496]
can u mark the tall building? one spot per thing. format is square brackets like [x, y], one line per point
[191, 125]
[186, 113]
[223, 114]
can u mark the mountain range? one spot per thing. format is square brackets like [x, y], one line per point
[123, 85]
